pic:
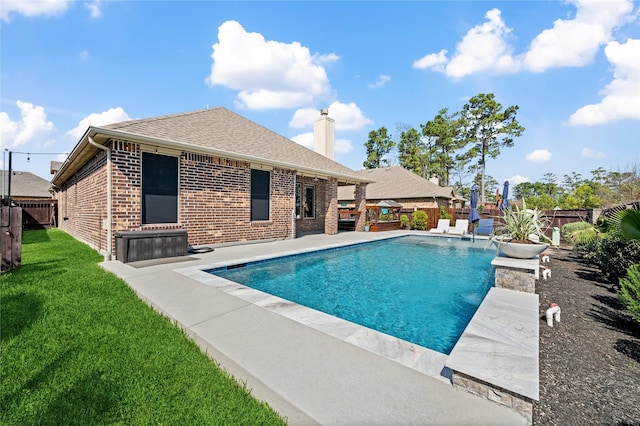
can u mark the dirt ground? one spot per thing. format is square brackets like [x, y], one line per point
[590, 362]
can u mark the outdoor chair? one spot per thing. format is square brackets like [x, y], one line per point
[485, 227]
[461, 228]
[443, 226]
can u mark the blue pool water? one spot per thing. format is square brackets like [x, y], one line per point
[420, 289]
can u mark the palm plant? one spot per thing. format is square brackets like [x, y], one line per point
[522, 225]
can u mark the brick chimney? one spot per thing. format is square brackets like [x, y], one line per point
[323, 134]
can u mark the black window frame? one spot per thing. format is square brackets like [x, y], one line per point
[260, 195]
[159, 189]
[310, 207]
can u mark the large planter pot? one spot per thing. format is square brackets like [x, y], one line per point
[519, 250]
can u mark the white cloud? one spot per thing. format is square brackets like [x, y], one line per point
[569, 43]
[539, 156]
[589, 153]
[347, 117]
[342, 146]
[112, 115]
[621, 97]
[32, 126]
[382, 80]
[432, 60]
[268, 74]
[304, 139]
[32, 8]
[94, 8]
[575, 42]
[483, 48]
[514, 180]
[84, 55]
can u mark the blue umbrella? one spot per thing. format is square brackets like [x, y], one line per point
[473, 213]
[505, 196]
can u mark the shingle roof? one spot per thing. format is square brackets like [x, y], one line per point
[223, 130]
[395, 183]
[25, 184]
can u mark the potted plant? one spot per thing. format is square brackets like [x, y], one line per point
[520, 233]
[367, 226]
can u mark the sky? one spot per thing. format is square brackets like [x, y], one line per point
[572, 68]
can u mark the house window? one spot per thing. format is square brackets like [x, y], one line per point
[260, 194]
[159, 188]
[309, 201]
[298, 200]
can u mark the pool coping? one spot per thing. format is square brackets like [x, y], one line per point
[230, 329]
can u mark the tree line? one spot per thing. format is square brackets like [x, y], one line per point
[455, 147]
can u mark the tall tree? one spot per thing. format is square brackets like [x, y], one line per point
[487, 128]
[443, 132]
[410, 151]
[378, 145]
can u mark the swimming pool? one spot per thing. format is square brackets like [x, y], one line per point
[420, 289]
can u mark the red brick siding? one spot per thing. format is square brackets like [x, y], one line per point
[214, 203]
[84, 201]
[316, 224]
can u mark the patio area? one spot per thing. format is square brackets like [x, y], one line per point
[311, 367]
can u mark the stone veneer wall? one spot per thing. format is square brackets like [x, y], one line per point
[518, 403]
[515, 279]
[214, 203]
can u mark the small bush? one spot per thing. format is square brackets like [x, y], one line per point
[577, 232]
[630, 291]
[614, 255]
[404, 221]
[444, 214]
[419, 220]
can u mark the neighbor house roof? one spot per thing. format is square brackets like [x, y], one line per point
[214, 131]
[26, 185]
[391, 183]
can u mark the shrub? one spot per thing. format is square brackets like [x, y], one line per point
[630, 291]
[614, 255]
[444, 214]
[578, 232]
[419, 220]
[480, 209]
[404, 221]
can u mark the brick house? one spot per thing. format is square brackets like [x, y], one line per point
[403, 186]
[215, 174]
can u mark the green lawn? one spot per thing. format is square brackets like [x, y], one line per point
[78, 347]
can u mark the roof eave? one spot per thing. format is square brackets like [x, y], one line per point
[84, 151]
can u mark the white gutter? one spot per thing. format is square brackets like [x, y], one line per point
[107, 256]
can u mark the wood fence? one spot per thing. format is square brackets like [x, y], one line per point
[38, 214]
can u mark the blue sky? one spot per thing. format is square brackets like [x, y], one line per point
[573, 68]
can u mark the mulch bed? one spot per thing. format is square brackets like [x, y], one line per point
[590, 362]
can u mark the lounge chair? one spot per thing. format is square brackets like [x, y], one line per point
[443, 226]
[461, 228]
[485, 227]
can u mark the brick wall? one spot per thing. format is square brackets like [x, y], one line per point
[214, 204]
[83, 203]
[324, 193]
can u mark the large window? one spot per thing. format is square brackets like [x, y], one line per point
[159, 188]
[260, 194]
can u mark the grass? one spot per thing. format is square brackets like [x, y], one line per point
[78, 347]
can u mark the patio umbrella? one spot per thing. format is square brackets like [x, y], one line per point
[505, 196]
[473, 213]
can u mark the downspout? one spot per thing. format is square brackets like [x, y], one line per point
[107, 256]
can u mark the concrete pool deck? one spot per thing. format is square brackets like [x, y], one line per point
[308, 366]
